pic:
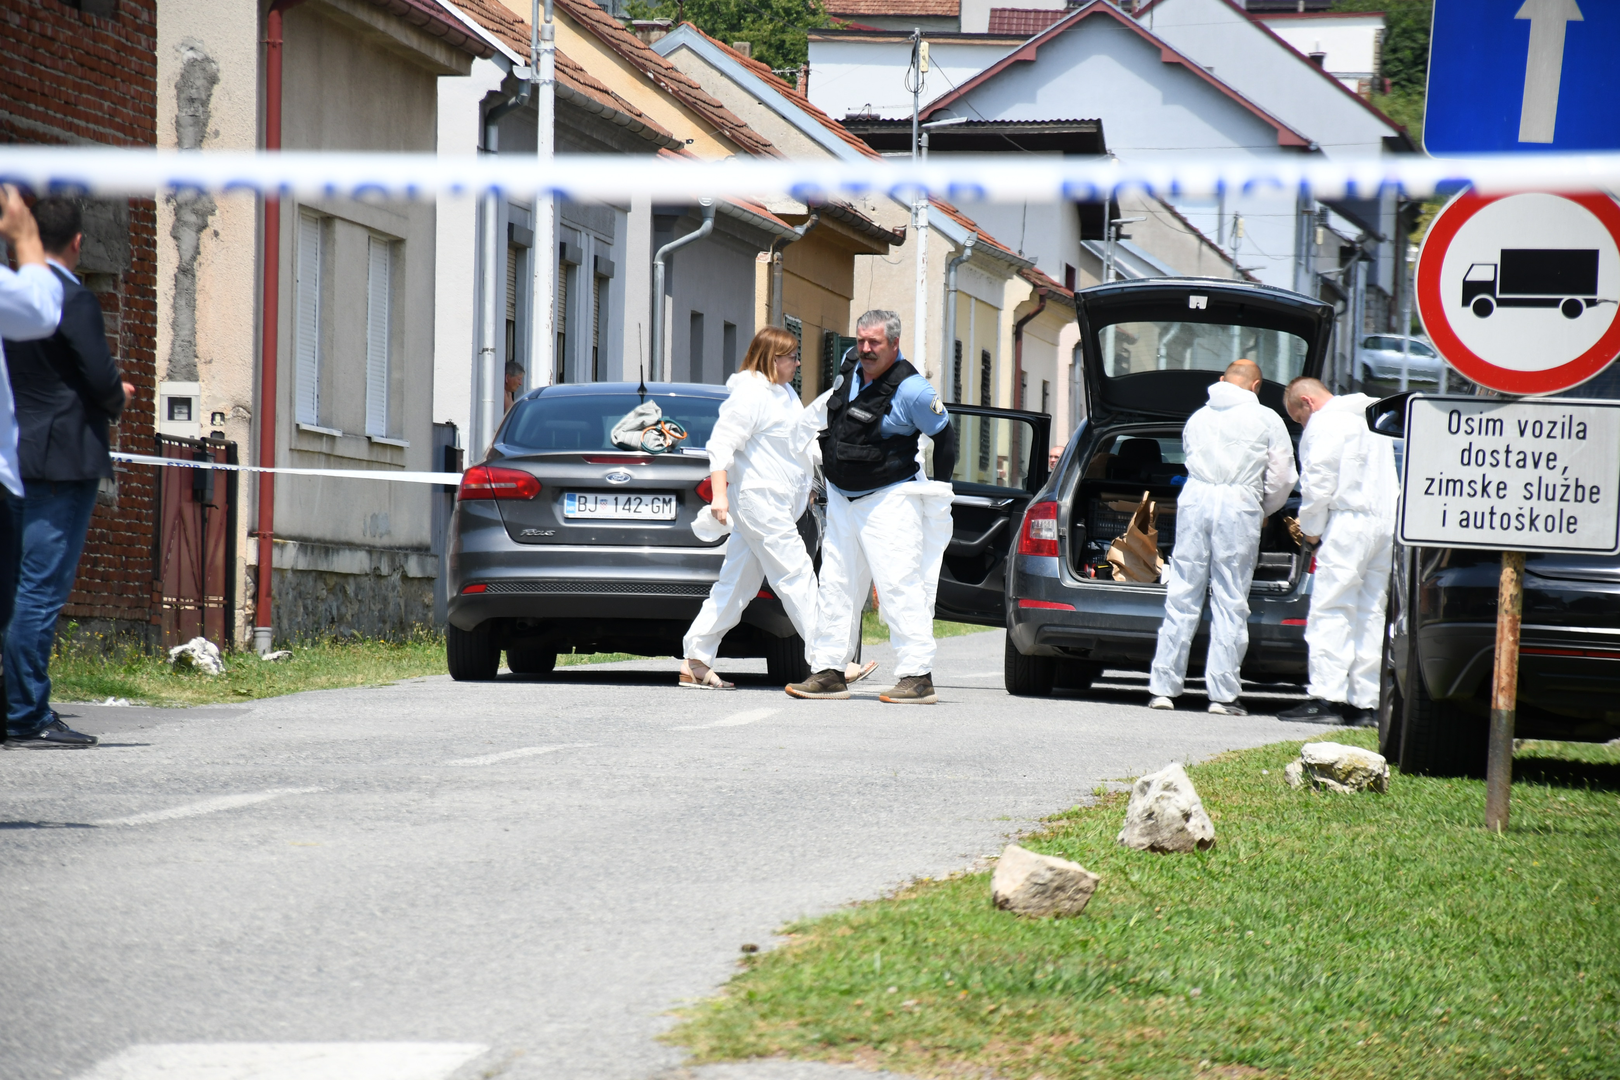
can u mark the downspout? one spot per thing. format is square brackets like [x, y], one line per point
[1018, 350]
[656, 356]
[268, 342]
[489, 367]
[949, 341]
[777, 307]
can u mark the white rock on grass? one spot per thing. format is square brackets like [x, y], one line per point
[1335, 767]
[1294, 774]
[1026, 883]
[199, 655]
[279, 654]
[1166, 815]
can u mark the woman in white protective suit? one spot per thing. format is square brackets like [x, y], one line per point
[760, 460]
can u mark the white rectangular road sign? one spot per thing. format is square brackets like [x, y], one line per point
[1527, 475]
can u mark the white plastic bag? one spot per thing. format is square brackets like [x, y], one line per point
[707, 528]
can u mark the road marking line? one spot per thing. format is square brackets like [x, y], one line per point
[979, 675]
[734, 720]
[285, 1061]
[207, 806]
[520, 752]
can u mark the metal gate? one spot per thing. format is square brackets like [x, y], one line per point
[196, 544]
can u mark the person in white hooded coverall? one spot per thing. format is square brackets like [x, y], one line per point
[760, 464]
[1240, 469]
[1348, 491]
[886, 522]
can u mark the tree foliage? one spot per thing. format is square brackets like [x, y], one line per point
[1405, 61]
[777, 29]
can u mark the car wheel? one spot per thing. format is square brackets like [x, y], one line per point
[1028, 676]
[1076, 675]
[1437, 737]
[784, 660]
[531, 659]
[472, 655]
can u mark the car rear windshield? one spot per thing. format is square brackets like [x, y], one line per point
[571, 422]
[1130, 348]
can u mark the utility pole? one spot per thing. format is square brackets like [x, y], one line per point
[919, 206]
[543, 358]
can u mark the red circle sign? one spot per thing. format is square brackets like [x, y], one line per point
[1519, 292]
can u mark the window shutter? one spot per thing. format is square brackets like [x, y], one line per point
[796, 328]
[561, 359]
[377, 322]
[596, 328]
[307, 334]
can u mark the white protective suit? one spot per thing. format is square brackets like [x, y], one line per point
[1240, 469]
[1348, 491]
[762, 441]
[895, 539]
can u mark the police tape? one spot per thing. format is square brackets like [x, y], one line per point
[604, 178]
[451, 478]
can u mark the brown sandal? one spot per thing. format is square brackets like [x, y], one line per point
[707, 681]
[860, 673]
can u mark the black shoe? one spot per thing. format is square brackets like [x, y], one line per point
[1316, 711]
[53, 736]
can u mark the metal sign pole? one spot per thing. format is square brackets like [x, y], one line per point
[1504, 692]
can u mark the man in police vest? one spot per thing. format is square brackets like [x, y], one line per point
[884, 518]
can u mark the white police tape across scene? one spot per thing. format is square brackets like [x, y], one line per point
[604, 178]
[1529, 475]
[451, 478]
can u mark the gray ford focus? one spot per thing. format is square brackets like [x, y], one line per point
[574, 533]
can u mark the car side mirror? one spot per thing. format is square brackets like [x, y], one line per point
[1388, 415]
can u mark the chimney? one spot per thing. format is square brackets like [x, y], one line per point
[744, 47]
[1318, 58]
[803, 86]
[649, 30]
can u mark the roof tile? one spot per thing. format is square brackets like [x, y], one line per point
[612, 33]
[1023, 21]
[946, 8]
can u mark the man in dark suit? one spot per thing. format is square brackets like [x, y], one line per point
[67, 390]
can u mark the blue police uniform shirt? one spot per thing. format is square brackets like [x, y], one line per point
[915, 407]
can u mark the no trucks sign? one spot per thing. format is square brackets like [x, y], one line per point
[1512, 475]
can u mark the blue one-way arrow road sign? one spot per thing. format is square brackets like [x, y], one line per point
[1523, 75]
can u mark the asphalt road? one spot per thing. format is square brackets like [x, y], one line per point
[519, 879]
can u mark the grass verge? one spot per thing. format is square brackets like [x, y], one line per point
[1324, 936]
[874, 629]
[148, 680]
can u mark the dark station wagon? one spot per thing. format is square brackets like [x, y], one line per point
[1150, 350]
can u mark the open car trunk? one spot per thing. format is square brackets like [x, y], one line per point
[1149, 460]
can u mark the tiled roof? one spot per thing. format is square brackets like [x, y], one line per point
[1041, 280]
[514, 32]
[972, 226]
[947, 8]
[790, 92]
[1026, 22]
[739, 208]
[430, 18]
[674, 82]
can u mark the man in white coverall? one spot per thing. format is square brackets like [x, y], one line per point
[1348, 490]
[1240, 469]
[885, 520]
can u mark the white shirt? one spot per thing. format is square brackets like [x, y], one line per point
[30, 308]
[1346, 465]
[1238, 441]
[761, 439]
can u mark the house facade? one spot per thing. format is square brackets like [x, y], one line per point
[354, 289]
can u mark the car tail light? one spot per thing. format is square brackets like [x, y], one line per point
[494, 482]
[480, 587]
[1312, 570]
[764, 594]
[617, 459]
[705, 489]
[1039, 533]
[1045, 605]
[1295, 622]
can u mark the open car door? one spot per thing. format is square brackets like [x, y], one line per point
[1000, 465]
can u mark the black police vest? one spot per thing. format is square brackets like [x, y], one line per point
[855, 455]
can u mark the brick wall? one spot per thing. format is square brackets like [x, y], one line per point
[85, 71]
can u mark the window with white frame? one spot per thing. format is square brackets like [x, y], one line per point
[307, 321]
[379, 325]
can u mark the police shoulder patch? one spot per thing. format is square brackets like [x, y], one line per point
[938, 406]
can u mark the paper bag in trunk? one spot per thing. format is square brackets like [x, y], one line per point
[1134, 554]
